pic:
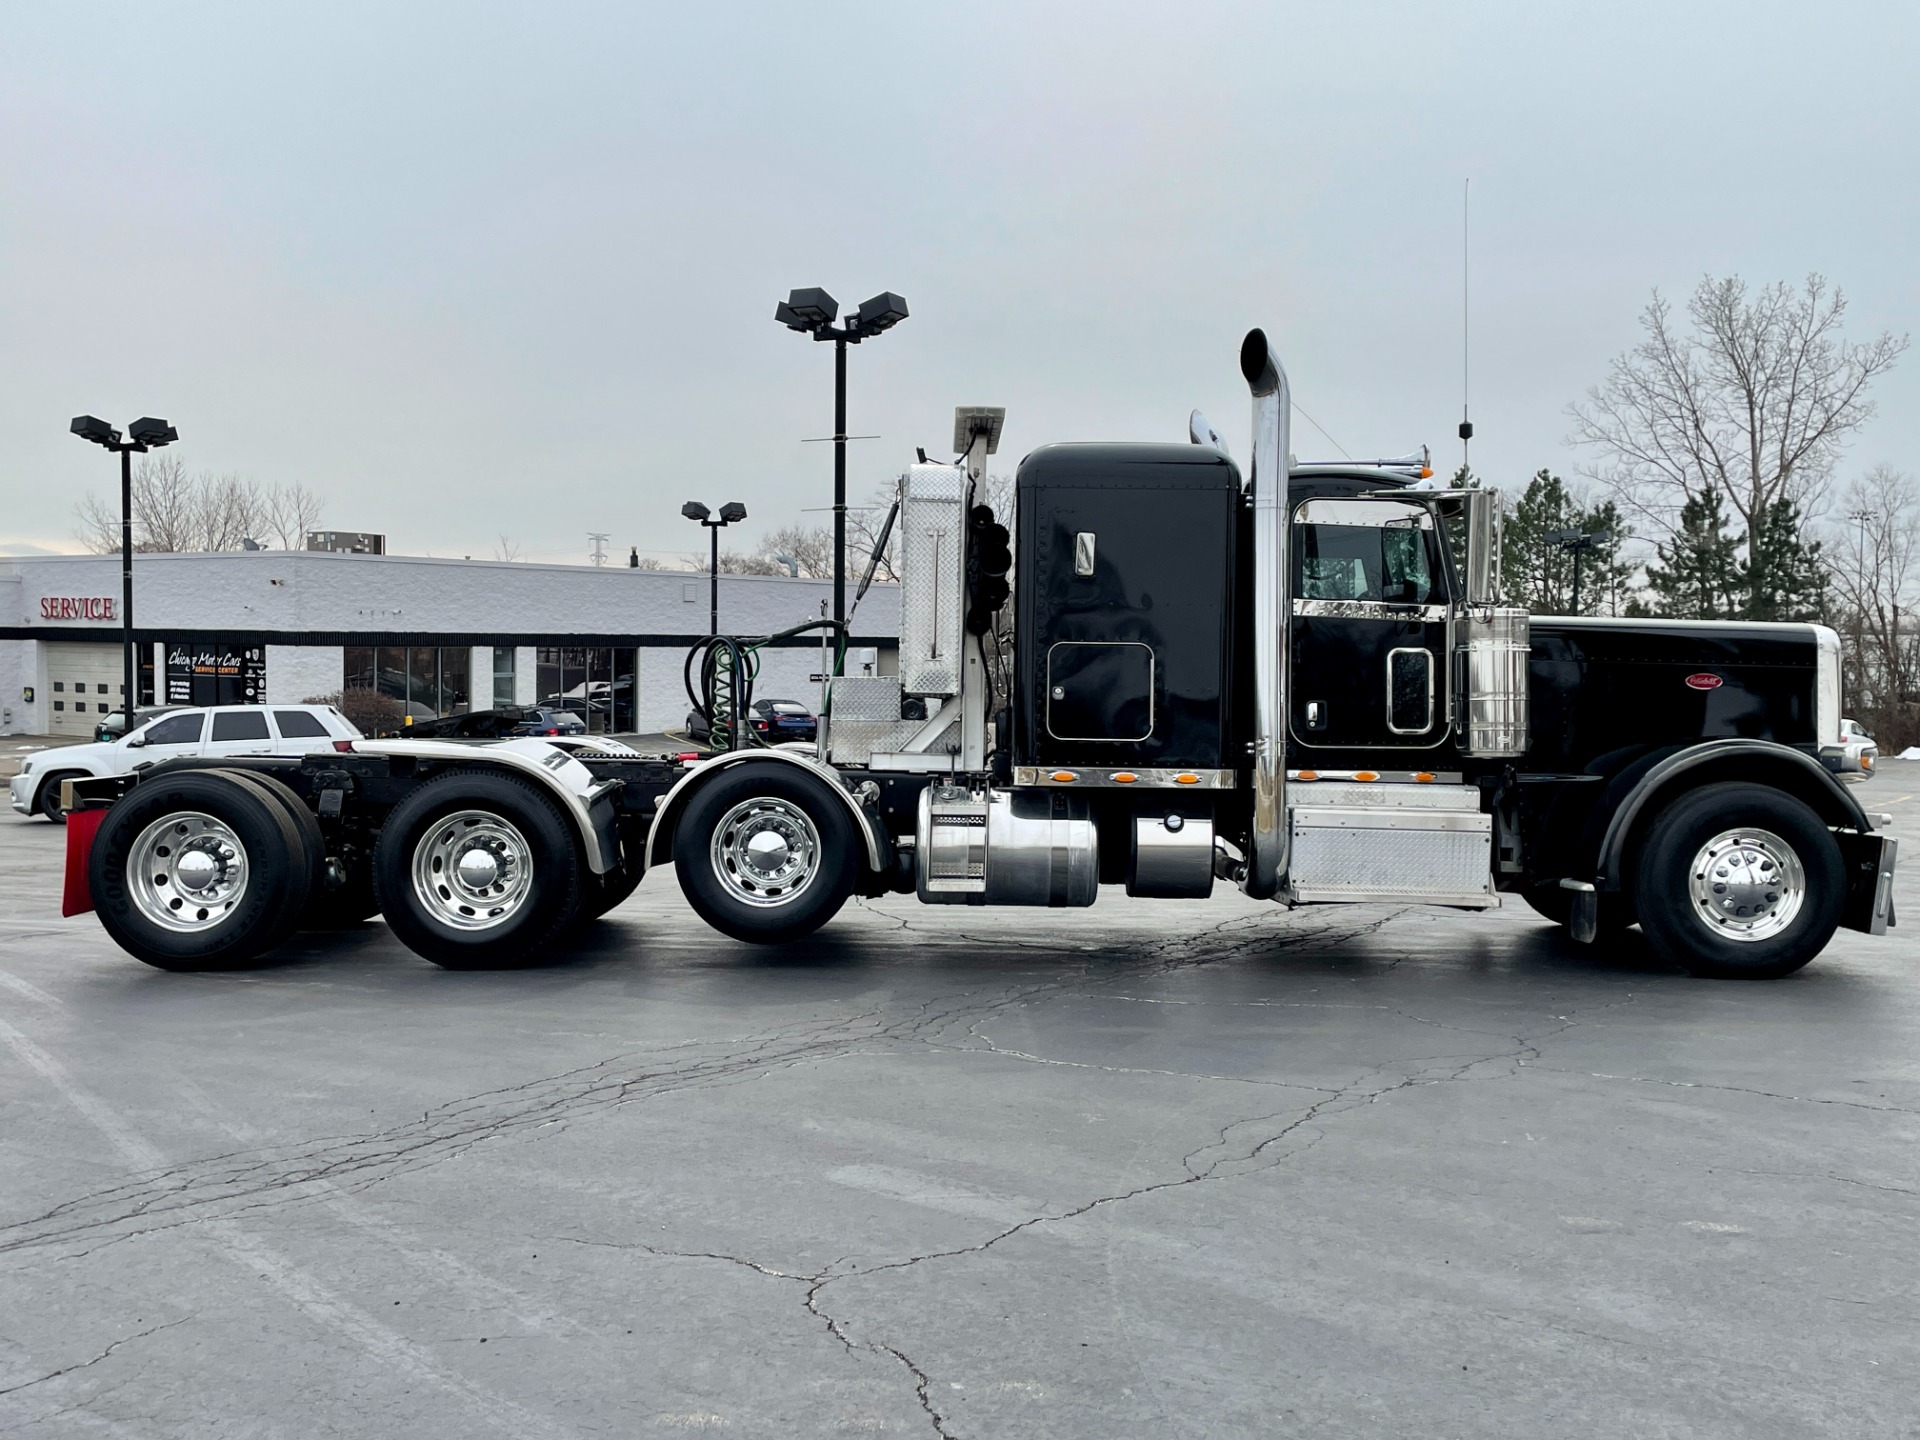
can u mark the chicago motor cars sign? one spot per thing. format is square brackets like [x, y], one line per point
[76, 607]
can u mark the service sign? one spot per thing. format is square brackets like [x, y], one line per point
[76, 607]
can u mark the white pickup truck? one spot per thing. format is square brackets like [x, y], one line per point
[211, 731]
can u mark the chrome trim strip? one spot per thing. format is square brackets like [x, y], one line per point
[1088, 778]
[1386, 777]
[1269, 841]
[1368, 610]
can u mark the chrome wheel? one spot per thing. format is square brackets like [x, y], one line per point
[472, 870]
[187, 871]
[1747, 884]
[765, 851]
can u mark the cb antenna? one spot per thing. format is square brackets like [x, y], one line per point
[1466, 372]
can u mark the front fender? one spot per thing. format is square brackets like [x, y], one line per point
[660, 833]
[1760, 761]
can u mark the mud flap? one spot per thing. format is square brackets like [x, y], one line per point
[77, 896]
[1869, 860]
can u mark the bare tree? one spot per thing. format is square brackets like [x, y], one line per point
[292, 511]
[811, 547]
[506, 549]
[1874, 558]
[1755, 402]
[177, 512]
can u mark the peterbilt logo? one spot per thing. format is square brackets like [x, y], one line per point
[1704, 681]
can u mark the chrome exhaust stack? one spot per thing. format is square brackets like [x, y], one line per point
[1266, 869]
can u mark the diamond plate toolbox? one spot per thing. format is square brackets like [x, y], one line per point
[933, 578]
[1437, 856]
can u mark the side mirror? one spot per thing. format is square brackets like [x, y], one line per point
[136, 742]
[1483, 546]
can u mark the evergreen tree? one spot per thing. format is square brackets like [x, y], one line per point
[1537, 573]
[1697, 574]
[1790, 580]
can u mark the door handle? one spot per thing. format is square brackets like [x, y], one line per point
[1316, 715]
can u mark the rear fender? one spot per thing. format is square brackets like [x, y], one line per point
[565, 778]
[659, 847]
[1756, 762]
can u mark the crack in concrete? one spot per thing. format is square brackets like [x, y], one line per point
[1732, 1089]
[87, 1364]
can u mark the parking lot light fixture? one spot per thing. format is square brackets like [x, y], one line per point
[812, 312]
[146, 433]
[730, 513]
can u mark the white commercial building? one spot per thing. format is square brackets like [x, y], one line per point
[440, 636]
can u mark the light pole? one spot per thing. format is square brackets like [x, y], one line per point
[1578, 542]
[730, 512]
[143, 435]
[812, 312]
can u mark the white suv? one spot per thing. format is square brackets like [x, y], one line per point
[218, 731]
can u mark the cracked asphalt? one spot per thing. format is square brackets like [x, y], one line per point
[1150, 1169]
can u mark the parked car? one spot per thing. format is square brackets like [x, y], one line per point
[1858, 750]
[115, 725]
[773, 721]
[210, 731]
[550, 720]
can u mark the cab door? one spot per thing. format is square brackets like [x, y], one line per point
[1369, 629]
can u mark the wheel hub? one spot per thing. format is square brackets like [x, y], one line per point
[765, 851]
[1747, 885]
[472, 870]
[187, 871]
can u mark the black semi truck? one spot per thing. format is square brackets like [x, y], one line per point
[1300, 682]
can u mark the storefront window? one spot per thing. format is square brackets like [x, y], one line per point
[596, 683]
[430, 682]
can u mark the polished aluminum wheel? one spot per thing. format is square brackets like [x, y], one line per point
[472, 870]
[1747, 884]
[187, 871]
[765, 851]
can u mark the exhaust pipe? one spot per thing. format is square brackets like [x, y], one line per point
[1272, 609]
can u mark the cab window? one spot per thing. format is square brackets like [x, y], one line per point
[175, 729]
[1384, 551]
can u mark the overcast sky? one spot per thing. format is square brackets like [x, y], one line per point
[482, 269]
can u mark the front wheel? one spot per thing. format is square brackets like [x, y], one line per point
[765, 852]
[1739, 882]
[477, 870]
[49, 804]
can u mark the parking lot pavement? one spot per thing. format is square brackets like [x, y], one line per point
[1146, 1170]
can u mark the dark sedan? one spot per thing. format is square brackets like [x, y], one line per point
[546, 720]
[773, 721]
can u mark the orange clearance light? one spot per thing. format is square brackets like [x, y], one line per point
[1425, 777]
[1125, 777]
[1309, 774]
[1064, 777]
[1366, 775]
[1425, 473]
[1186, 777]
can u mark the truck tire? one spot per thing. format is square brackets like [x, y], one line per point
[49, 801]
[1555, 904]
[1739, 882]
[606, 892]
[198, 871]
[328, 907]
[478, 870]
[766, 853]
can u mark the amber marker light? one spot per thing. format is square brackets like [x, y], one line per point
[1308, 775]
[1366, 775]
[1186, 777]
[1425, 777]
[1064, 777]
[1125, 777]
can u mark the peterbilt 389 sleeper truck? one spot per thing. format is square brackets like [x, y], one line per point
[1300, 682]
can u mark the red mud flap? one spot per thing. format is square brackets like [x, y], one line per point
[77, 898]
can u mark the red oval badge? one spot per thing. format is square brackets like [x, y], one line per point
[1704, 681]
